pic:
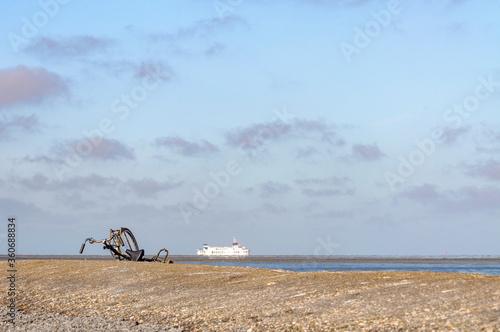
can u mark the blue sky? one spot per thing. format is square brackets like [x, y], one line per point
[300, 127]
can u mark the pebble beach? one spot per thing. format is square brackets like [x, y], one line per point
[63, 295]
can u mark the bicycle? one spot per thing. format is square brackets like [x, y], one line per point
[123, 246]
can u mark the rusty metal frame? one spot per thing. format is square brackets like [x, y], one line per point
[155, 258]
[116, 235]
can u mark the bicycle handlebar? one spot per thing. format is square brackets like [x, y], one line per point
[83, 244]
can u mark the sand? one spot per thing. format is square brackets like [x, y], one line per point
[59, 295]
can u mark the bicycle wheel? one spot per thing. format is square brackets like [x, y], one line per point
[128, 241]
[115, 242]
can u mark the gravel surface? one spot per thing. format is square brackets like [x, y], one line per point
[63, 295]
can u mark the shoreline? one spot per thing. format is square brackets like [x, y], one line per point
[183, 297]
[274, 258]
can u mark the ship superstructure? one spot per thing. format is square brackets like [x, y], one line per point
[235, 250]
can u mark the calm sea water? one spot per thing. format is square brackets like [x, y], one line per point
[457, 264]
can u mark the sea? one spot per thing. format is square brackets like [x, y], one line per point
[446, 263]
[453, 264]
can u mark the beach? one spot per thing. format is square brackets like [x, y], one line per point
[54, 295]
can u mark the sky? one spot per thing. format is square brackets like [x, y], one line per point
[301, 127]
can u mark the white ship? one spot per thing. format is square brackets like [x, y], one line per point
[235, 250]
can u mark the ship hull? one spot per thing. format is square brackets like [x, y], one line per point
[223, 251]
